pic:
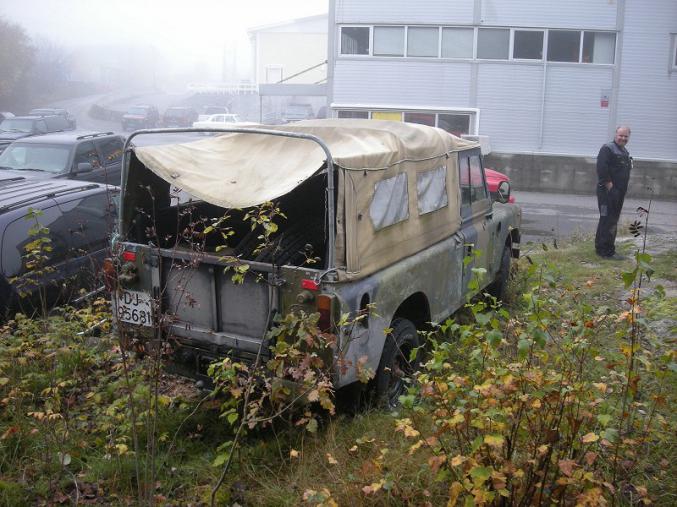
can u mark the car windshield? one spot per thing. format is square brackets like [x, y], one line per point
[52, 158]
[137, 110]
[17, 125]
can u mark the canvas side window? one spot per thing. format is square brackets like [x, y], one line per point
[464, 180]
[431, 190]
[478, 189]
[390, 204]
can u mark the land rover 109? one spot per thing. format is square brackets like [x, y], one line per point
[386, 211]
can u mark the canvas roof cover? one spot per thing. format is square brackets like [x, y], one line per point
[240, 170]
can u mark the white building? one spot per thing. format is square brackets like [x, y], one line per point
[297, 47]
[547, 77]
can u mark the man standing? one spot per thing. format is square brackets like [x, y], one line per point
[613, 173]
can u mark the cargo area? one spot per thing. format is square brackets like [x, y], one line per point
[158, 214]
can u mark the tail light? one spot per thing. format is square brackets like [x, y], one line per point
[324, 304]
[129, 256]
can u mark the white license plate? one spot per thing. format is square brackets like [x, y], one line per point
[134, 307]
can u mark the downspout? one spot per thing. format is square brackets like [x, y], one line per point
[543, 91]
[616, 79]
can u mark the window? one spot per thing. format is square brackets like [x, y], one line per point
[478, 190]
[391, 202]
[599, 47]
[456, 124]
[111, 149]
[528, 45]
[273, 73]
[86, 153]
[674, 52]
[457, 42]
[431, 189]
[493, 43]
[388, 41]
[355, 40]
[354, 114]
[422, 41]
[386, 115]
[563, 45]
[464, 180]
[420, 118]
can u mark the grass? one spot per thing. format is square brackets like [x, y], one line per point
[46, 365]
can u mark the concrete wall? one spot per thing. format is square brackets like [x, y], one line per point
[544, 173]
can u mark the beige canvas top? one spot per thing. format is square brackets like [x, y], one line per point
[242, 170]
[237, 170]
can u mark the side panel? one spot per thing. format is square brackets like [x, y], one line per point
[436, 272]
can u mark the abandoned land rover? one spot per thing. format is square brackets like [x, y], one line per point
[387, 211]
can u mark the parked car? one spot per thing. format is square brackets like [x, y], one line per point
[391, 214]
[223, 120]
[88, 156]
[179, 117]
[297, 112]
[19, 127]
[499, 186]
[207, 111]
[140, 117]
[55, 111]
[78, 218]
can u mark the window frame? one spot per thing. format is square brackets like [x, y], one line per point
[543, 44]
[404, 41]
[495, 28]
[356, 55]
[672, 63]
[473, 50]
[429, 27]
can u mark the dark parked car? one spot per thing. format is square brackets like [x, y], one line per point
[140, 117]
[89, 156]
[78, 218]
[179, 117]
[55, 111]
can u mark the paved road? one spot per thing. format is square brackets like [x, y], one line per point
[546, 216]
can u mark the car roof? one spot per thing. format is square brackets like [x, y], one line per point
[67, 137]
[28, 117]
[18, 192]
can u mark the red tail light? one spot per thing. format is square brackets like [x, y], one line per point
[310, 284]
[128, 256]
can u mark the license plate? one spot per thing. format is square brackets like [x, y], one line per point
[134, 307]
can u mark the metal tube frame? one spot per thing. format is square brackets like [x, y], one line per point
[331, 261]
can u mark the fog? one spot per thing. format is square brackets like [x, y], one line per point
[170, 42]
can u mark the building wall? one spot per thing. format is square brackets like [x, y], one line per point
[647, 92]
[528, 107]
[293, 52]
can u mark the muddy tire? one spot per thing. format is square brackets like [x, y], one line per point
[394, 367]
[498, 287]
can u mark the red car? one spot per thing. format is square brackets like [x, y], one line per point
[498, 181]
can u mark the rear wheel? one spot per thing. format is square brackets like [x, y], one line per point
[500, 283]
[395, 366]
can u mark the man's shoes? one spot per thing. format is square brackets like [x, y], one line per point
[613, 257]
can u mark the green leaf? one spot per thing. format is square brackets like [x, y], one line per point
[611, 434]
[604, 419]
[540, 337]
[312, 425]
[494, 337]
[482, 318]
[220, 459]
[523, 347]
[480, 474]
[629, 277]
[477, 443]
[232, 418]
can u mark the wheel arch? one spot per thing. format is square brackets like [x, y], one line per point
[416, 309]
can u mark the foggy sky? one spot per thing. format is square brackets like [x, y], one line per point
[185, 32]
